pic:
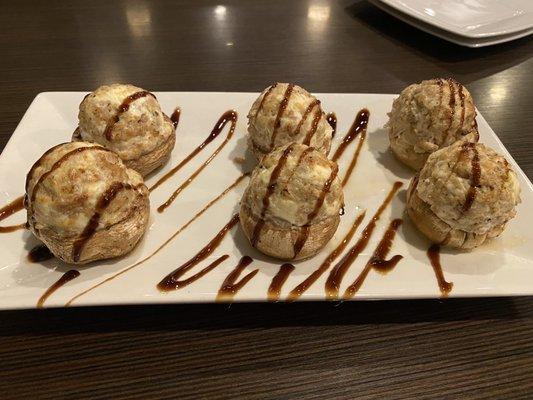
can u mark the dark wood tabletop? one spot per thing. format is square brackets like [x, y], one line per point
[440, 349]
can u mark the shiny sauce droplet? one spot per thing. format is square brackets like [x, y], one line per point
[175, 117]
[39, 253]
[332, 121]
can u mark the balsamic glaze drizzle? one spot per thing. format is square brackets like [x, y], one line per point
[433, 254]
[377, 261]
[231, 286]
[103, 202]
[228, 116]
[337, 273]
[65, 278]
[172, 281]
[282, 106]
[311, 279]
[476, 174]
[10, 209]
[359, 126]
[274, 290]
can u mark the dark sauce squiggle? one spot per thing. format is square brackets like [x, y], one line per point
[337, 273]
[228, 116]
[476, 174]
[440, 84]
[311, 279]
[463, 109]
[10, 209]
[40, 253]
[359, 126]
[433, 254]
[306, 113]
[267, 93]
[65, 278]
[314, 126]
[217, 129]
[451, 104]
[231, 286]
[274, 290]
[282, 106]
[172, 281]
[378, 259]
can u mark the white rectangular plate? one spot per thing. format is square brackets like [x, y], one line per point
[502, 267]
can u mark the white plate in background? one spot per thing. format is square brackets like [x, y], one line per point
[462, 31]
[503, 267]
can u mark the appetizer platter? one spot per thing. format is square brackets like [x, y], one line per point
[124, 196]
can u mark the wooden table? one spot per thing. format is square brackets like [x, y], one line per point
[475, 349]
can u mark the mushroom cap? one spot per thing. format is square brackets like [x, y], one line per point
[464, 194]
[428, 116]
[82, 192]
[133, 127]
[306, 194]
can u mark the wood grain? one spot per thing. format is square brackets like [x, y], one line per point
[475, 349]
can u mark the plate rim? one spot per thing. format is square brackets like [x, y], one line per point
[309, 296]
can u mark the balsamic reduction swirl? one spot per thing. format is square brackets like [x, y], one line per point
[231, 286]
[337, 273]
[10, 209]
[228, 116]
[172, 281]
[65, 278]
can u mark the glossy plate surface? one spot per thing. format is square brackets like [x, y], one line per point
[452, 35]
[502, 267]
[470, 18]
